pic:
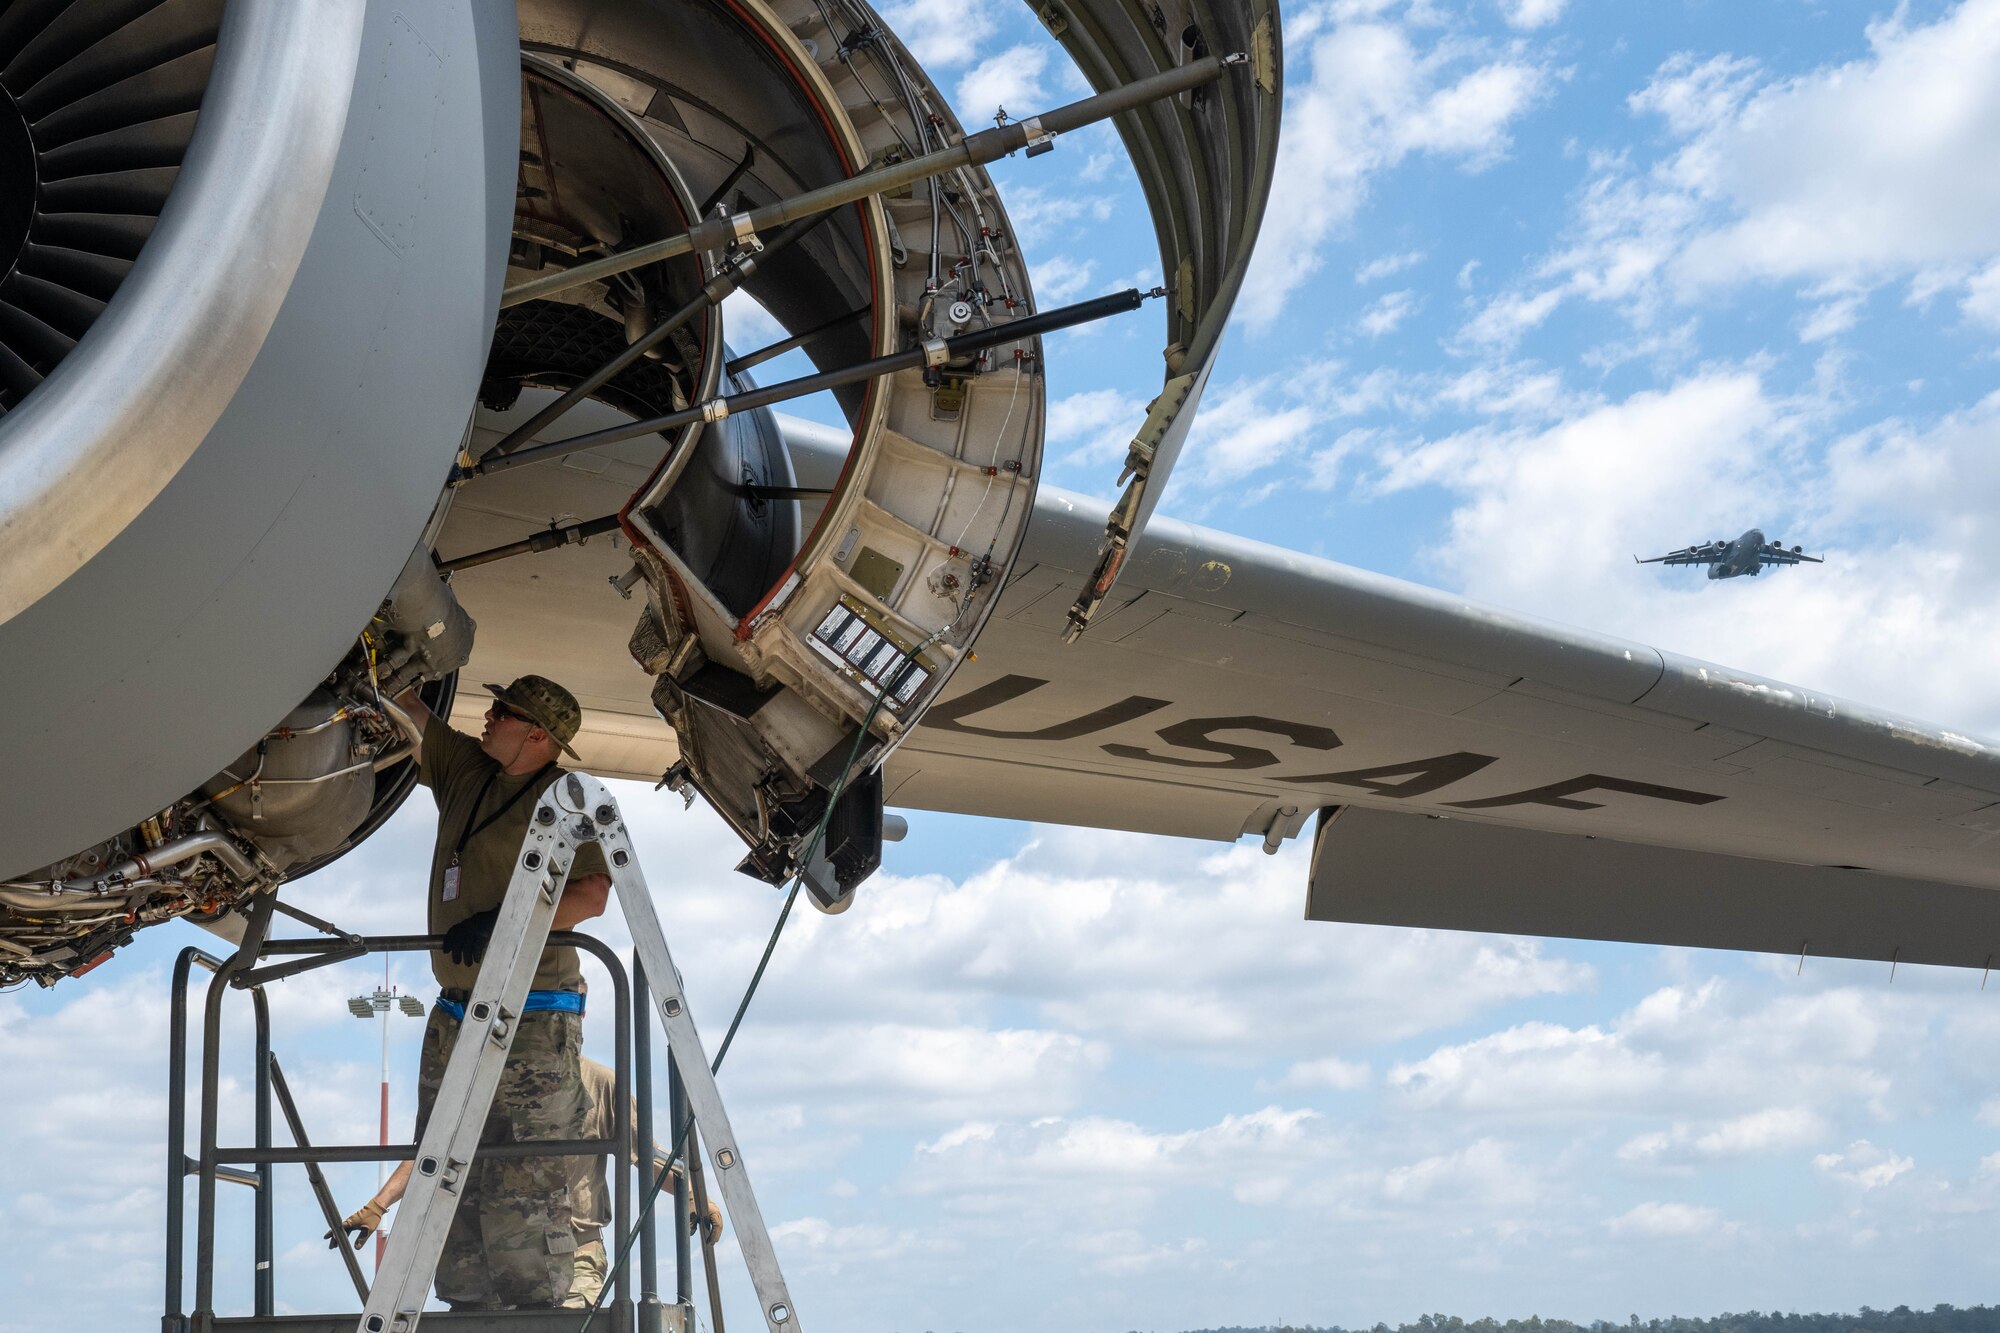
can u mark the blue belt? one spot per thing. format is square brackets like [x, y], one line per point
[539, 1002]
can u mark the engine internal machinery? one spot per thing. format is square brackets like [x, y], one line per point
[634, 130]
[309, 789]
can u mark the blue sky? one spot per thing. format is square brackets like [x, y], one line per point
[1543, 284]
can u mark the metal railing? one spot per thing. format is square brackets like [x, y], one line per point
[252, 1165]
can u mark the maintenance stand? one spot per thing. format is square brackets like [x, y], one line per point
[574, 809]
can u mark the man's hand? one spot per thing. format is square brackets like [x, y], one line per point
[711, 1226]
[465, 943]
[413, 708]
[359, 1224]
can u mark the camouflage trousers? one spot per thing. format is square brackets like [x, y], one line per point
[510, 1242]
[592, 1267]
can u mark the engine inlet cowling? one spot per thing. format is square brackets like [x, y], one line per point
[212, 489]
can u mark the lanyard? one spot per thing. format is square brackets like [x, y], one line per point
[469, 832]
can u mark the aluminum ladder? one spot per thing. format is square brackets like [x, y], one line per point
[575, 809]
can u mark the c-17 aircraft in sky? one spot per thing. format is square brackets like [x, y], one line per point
[1748, 554]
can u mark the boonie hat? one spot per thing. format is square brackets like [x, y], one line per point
[552, 708]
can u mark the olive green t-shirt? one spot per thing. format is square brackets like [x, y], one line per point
[456, 770]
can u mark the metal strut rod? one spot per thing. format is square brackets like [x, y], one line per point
[934, 352]
[974, 150]
[757, 358]
[712, 293]
[547, 540]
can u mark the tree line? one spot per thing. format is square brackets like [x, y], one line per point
[1902, 1319]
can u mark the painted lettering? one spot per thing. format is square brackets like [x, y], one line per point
[1428, 775]
[1414, 777]
[1198, 733]
[1558, 794]
[950, 715]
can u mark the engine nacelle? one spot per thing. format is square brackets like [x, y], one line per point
[204, 501]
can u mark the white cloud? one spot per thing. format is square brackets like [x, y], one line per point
[1388, 312]
[1775, 1129]
[1332, 1073]
[1095, 426]
[1483, 1172]
[747, 325]
[1884, 162]
[1703, 1055]
[1012, 79]
[1896, 505]
[1372, 100]
[1503, 389]
[1529, 14]
[1059, 278]
[1044, 218]
[1125, 1252]
[882, 1073]
[1533, 1068]
[1692, 97]
[1257, 1152]
[816, 1245]
[1241, 430]
[1833, 317]
[1864, 1165]
[1502, 322]
[1878, 169]
[1376, 269]
[941, 34]
[1668, 1221]
[1982, 297]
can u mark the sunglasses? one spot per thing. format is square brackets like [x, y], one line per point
[499, 710]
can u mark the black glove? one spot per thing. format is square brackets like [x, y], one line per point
[465, 943]
[360, 1222]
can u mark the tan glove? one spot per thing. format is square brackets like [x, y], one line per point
[359, 1223]
[711, 1226]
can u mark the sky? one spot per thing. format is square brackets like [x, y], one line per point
[1544, 284]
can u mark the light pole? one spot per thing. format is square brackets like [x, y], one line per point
[368, 1006]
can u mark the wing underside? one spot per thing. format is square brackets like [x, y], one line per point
[1583, 786]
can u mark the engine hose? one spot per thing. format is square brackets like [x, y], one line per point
[62, 895]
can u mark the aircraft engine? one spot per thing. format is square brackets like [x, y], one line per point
[253, 250]
[319, 313]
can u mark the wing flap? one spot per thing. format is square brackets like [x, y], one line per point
[1382, 868]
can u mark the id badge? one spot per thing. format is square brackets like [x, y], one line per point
[450, 882]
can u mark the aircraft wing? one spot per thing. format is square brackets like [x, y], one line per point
[1774, 554]
[1705, 554]
[1478, 769]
